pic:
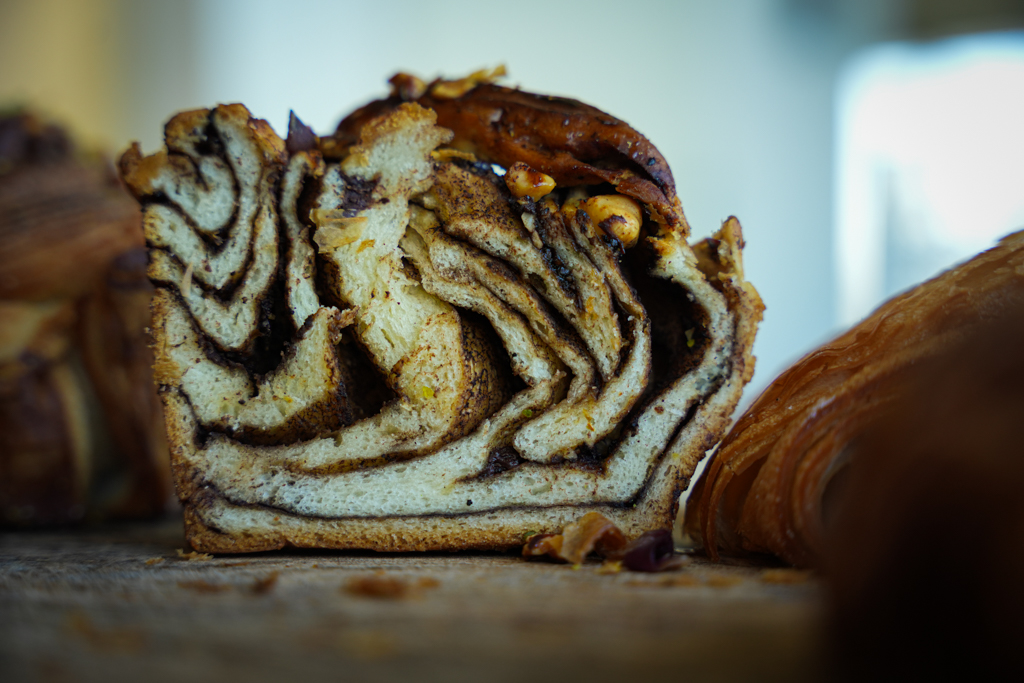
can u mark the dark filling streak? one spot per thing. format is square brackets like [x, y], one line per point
[217, 240]
[227, 359]
[563, 276]
[274, 326]
[562, 273]
[275, 341]
[506, 380]
[274, 331]
[326, 273]
[484, 170]
[499, 461]
[626, 329]
[210, 144]
[358, 195]
[201, 435]
[301, 137]
[560, 326]
[520, 205]
[359, 370]
[642, 491]
[231, 500]
[671, 314]
[223, 295]
[312, 188]
[595, 458]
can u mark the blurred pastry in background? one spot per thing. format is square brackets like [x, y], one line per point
[80, 427]
[772, 485]
[925, 557]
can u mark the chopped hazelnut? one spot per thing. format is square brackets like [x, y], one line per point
[407, 86]
[572, 202]
[524, 181]
[616, 214]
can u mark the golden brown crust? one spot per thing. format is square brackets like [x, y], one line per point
[763, 490]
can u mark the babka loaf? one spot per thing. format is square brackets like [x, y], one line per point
[80, 426]
[469, 315]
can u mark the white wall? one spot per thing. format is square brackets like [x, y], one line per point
[737, 94]
[930, 161]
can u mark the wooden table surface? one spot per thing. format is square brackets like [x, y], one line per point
[119, 603]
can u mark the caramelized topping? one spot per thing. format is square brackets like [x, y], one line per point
[573, 143]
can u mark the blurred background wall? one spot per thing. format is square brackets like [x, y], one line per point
[739, 95]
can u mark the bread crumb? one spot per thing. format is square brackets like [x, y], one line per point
[785, 576]
[201, 586]
[193, 556]
[667, 581]
[155, 560]
[722, 580]
[266, 584]
[385, 587]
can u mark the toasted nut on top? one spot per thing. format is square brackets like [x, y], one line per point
[572, 203]
[523, 181]
[617, 215]
[449, 90]
[407, 86]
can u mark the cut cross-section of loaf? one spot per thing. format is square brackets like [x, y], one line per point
[392, 339]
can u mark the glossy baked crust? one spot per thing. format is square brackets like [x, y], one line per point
[573, 142]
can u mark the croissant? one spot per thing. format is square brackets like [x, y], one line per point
[941, 469]
[771, 484]
[80, 426]
[386, 339]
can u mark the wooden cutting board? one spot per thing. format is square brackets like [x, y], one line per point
[119, 603]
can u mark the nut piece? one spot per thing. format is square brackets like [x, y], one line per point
[450, 90]
[407, 86]
[617, 215]
[523, 181]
